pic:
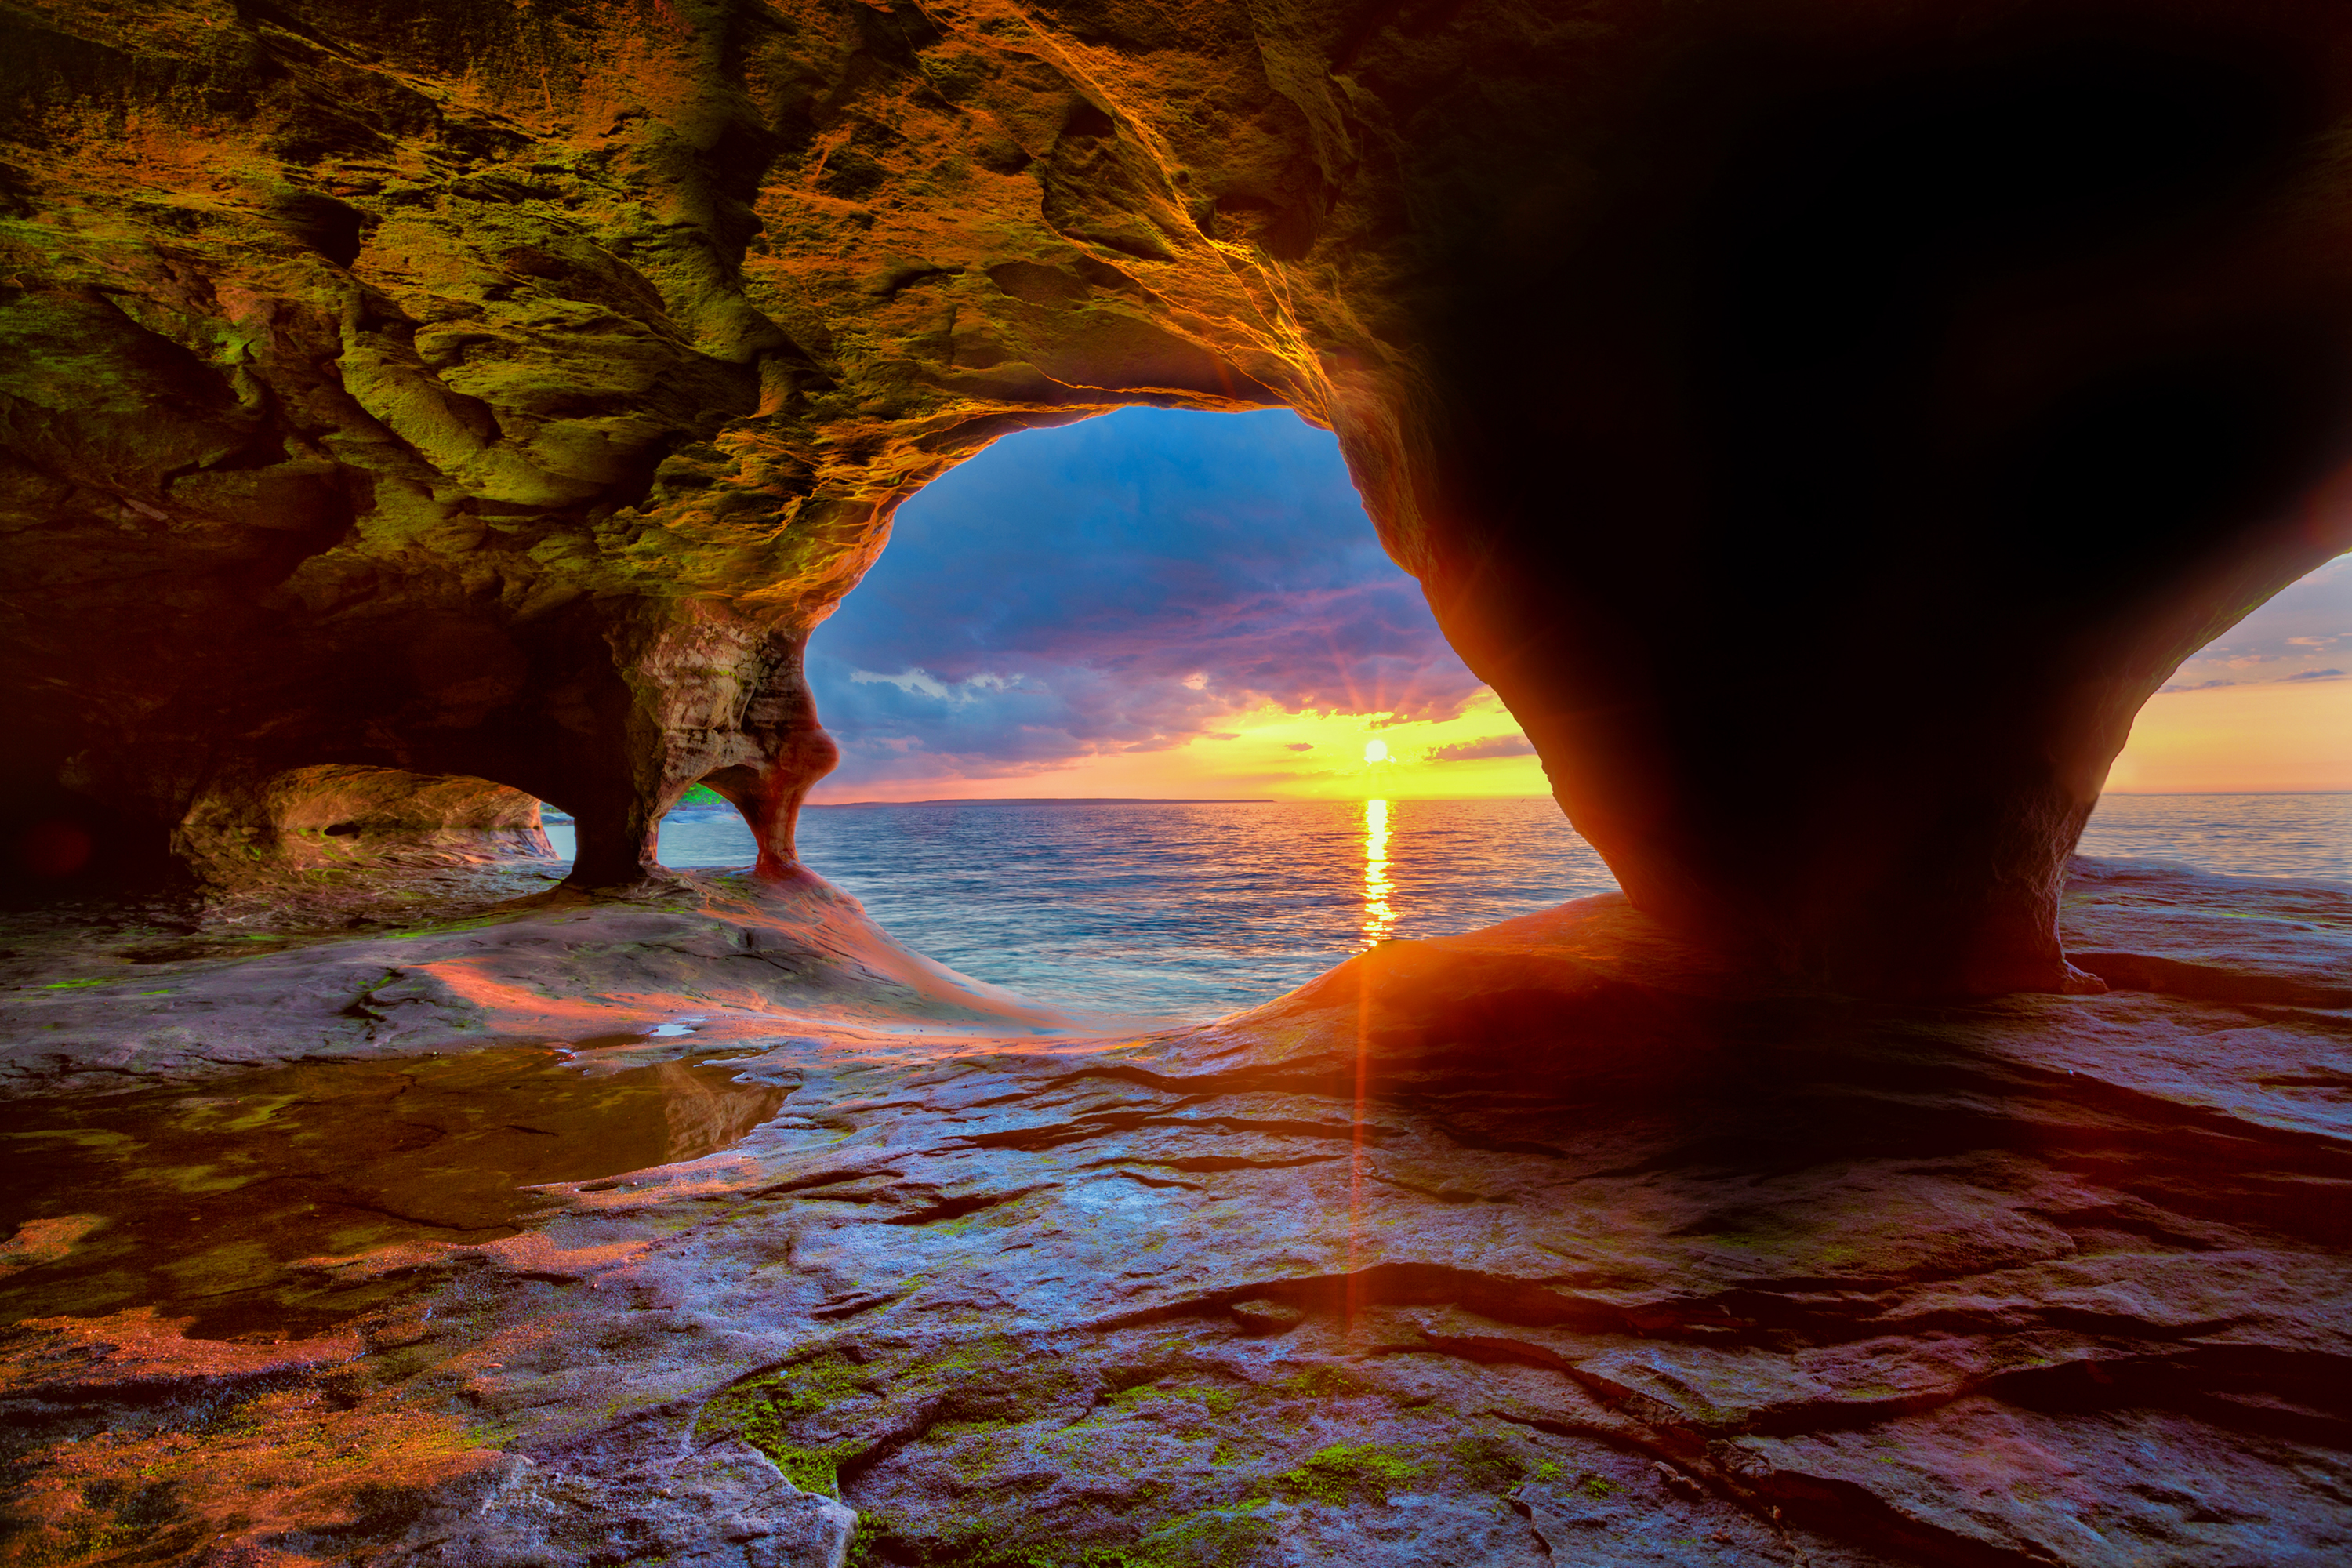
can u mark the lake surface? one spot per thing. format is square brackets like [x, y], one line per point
[2292, 837]
[1195, 909]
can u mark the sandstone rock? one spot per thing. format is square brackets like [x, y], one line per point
[735, 957]
[503, 392]
[1707, 1273]
[327, 825]
[723, 1505]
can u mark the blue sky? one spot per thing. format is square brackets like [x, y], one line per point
[1128, 585]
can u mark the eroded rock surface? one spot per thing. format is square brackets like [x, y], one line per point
[503, 390]
[1703, 1272]
[723, 957]
[310, 828]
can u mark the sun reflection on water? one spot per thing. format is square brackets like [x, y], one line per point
[1380, 919]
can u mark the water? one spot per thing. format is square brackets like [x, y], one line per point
[226, 1203]
[1187, 909]
[2297, 837]
[1196, 908]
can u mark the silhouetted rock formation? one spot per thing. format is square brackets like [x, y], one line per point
[503, 390]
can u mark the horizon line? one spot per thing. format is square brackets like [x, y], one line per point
[1301, 800]
[1052, 800]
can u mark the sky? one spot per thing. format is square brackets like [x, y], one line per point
[2266, 706]
[1152, 604]
[1195, 606]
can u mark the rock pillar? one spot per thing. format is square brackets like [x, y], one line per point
[791, 753]
[614, 833]
[1827, 446]
[715, 698]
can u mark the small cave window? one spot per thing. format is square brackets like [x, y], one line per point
[342, 830]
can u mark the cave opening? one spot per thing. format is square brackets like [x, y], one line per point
[1825, 425]
[1138, 712]
[1067, 696]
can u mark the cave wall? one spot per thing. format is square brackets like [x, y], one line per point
[503, 389]
[320, 825]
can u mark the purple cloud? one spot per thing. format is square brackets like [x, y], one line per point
[2288, 638]
[1478, 751]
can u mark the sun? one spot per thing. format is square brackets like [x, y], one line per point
[1375, 751]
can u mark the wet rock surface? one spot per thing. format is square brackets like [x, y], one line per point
[241, 984]
[214, 1202]
[1703, 1272]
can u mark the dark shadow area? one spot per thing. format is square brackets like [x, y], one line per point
[1974, 377]
[58, 846]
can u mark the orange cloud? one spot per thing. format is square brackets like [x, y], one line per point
[1266, 752]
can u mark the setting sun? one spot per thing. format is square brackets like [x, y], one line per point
[1266, 753]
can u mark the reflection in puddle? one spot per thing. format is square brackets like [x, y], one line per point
[197, 1201]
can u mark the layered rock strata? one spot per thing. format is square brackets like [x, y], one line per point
[502, 391]
[1708, 1273]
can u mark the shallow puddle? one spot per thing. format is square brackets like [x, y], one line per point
[198, 1201]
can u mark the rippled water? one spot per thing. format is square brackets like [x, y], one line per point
[1195, 909]
[1192, 909]
[2300, 838]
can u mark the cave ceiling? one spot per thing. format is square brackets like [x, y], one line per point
[504, 388]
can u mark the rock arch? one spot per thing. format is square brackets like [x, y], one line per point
[504, 389]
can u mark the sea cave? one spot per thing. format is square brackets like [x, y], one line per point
[414, 418]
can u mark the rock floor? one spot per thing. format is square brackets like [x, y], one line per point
[1552, 1243]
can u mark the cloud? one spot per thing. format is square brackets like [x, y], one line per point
[1299, 746]
[2301, 628]
[1478, 751]
[922, 683]
[1123, 585]
[2277, 680]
